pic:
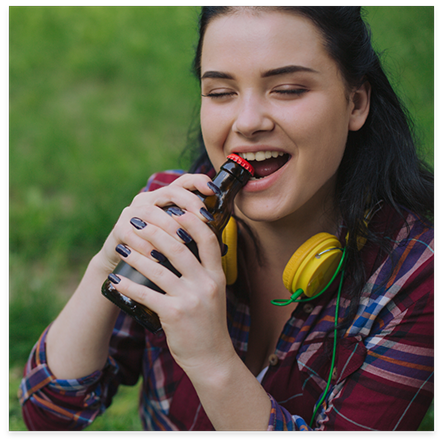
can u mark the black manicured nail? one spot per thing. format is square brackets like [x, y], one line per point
[225, 249]
[114, 279]
[184, 235]
[123, 250]
[158, 256]
[214, 188]
[175, 210]
[206, 214]
[137, 223]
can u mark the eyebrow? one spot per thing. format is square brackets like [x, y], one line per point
[272, 72]
[288, 70]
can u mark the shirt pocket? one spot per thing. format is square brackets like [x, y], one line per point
[350, 354]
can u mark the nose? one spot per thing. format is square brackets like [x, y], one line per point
[252, 117]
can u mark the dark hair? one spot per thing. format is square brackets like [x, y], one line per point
[380, 160]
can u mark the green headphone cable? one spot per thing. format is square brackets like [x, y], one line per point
[334, 347]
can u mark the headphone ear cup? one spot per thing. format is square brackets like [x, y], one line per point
[313, 264]
[229, 260]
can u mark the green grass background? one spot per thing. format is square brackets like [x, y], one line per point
[100, 98]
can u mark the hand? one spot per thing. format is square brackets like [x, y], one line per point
[143, 205]
[193, 310]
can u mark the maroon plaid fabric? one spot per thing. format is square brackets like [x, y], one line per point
[383, 375]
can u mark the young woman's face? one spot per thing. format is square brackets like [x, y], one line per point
[270, 89]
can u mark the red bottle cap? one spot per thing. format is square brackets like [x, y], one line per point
[242, 162]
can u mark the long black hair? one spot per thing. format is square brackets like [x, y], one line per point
[380, 162]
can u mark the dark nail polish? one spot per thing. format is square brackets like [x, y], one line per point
[206, 214]
[123, 250]
[137, 223]
[225, 249]
[158, 256]
[184, 235]
[175, 210]
[214, 188]
[114, 279]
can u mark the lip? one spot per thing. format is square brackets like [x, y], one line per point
[265, 183]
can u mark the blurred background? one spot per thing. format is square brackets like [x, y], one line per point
[101, 98]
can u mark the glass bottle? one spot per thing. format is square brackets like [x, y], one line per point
[233, 175]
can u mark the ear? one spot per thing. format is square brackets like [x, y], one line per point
[361, 100]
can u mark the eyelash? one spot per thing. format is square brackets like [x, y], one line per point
[291, 91]
[281, 91]
[217, 94]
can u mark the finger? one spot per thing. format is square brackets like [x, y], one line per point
[153, 268]
[126, 232]
[144, 295]
[196, 182]
[181, 259]
[209, 249]
[172, 195]
[156, 224]
[178, 197]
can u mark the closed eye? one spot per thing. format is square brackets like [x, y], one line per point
[290, 91]
[283, 92]
[218, 94]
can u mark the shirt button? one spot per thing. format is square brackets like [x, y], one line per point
[308, 308]
[273, 359]
[334, 374]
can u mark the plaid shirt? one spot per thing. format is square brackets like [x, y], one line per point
[383, 373]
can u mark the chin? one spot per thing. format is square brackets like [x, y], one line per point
[261, 211]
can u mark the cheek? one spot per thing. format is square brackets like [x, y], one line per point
[215, 130]
[321, 135]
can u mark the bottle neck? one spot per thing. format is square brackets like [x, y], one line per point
[226, 181]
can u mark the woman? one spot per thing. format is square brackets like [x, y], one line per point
[305, 84]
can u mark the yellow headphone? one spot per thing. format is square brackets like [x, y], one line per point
[310, 269]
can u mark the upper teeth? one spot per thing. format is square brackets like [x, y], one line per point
[260, 155]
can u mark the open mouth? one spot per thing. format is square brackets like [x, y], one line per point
[265, 162]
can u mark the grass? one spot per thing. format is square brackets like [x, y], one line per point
[100, 98]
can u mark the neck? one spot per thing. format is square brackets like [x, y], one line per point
[279, 239]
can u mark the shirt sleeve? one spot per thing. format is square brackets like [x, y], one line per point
[281, 420]
[51, 404]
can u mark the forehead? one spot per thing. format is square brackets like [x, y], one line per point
[261, 38]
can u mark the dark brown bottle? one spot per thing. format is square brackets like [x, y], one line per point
[233, 175]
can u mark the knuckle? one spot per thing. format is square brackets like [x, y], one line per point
[125, 214]
[127, 237]
[136, 200]
[205, 236]
[209, 236]
[177, 249]
[175, 313]
[140, 294]
[211, 287]
[158, 272]
[183, 178]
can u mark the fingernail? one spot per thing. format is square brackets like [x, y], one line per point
[206, 214]
[158, 256]
[175, 210]
[184, 235]
[225, 249]
[137, 223]
[123, 250]
[214, 188]
[114, 279]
